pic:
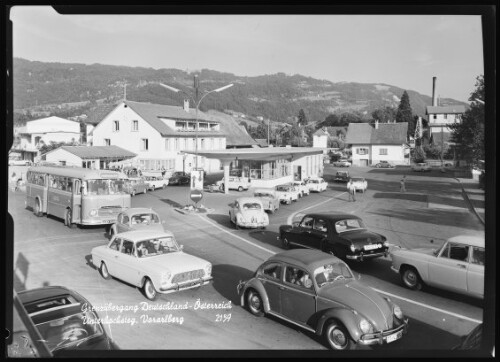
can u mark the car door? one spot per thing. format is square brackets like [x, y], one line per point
[449, 269]
[112, 255]
[125, 263]
[475, 271]
[318, 233]
[305, 235]
[271, 278]
[298, 301]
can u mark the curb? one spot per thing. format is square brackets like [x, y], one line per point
[469, 203]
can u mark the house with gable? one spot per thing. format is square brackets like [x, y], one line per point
[371, 144]
[320, 138]
[160, 135]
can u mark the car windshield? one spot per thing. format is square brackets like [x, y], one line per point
[263, 194]
[333, 272]
[145, 218]
[70, 330]
[283, 188]
[251, 206]
[157, 246]
[355, 179]
[348, 225]
[340, 173]
[314, 181]
[105, 187]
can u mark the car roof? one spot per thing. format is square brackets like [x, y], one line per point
[305, 258]
[139, 235]
[271, 191]
[333, 216]
[243, 200]
[33, 295]
[468, 239]
[138, 210]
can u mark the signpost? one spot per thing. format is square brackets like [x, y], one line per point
[196, 196]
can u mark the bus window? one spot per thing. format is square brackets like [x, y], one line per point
[63, 183]
[69, 185]
[77, 186]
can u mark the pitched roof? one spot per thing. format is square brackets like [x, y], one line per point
[99, 113]
[321, 132]
[442, 110]
[236, 135]
[93, 152]
[386, 134]
[334, 129]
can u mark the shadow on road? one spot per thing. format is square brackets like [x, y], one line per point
[221, 219]
[226, 278]
[88, 261]
[172, 203]
[266, 237]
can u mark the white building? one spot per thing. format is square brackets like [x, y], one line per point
[98, 157]
[159, 135]
[371, 144]
[440, 117]
[320, 138]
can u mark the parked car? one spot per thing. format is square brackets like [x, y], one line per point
[319, 293]
[384, 164]
[235, 183]
[342, 163]
[155, 182]
[287, 193]
[268, 198]
[316, 184]
[152, 261]
[458, 266]
[65, 320]
[422, 167]
[248, 212]
[136, 185]
[343, 235]
[136, 218]
[360, 183]
[19, 162]
[341, 176]
[179, 178]
[302, 186]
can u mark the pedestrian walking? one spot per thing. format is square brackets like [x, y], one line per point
[352, 191]
[403, 184]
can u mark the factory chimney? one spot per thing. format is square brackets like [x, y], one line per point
[434, 97]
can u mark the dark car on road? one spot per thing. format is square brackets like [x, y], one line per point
[65, 320]
[341, 176]
[179, 178]
[343, 235]
[319, 293]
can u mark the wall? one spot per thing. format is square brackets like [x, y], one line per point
[451, 119]
[395, 155]
[311, 166]
[63, 155]
[320, 141]
[52, 124]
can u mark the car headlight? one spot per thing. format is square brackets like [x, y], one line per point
[165, 277]
[397, 312]
[365, 326]
[353, 248]
[208, 269]
[386, 243]
[93, 212]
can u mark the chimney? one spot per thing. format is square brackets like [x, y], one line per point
[376, 124]
[434, 99]
[186, 105]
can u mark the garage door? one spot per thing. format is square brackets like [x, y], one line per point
[363, 162]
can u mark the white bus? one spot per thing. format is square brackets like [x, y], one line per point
[76, 195]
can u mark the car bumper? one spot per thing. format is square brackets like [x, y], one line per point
[362, 256]
[385, 336]
[186, 285]
[253, 224]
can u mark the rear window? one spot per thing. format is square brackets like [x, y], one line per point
[251, 206]
[49, 303]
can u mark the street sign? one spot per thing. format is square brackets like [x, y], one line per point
[196, 195]
[196, 179]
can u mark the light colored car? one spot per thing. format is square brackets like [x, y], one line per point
[155, 182]
[319, 293]
[342, 163]
[360, 183]
[152, 261]
[287, 193]
[384, 164]
[136, 218]
[19, 162]
[317, 184]
[422, 167]
[458, 266]
[136, 185]
[268, 198]
[248, 212]
[302, 186]
[235, 183]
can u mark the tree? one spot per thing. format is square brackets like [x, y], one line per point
[469, 133]
[384, 115]
[418, 155]
[405, 114]
[302, 120]
[332, 120]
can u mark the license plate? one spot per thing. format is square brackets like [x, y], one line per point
[371, 247]
[394, 337]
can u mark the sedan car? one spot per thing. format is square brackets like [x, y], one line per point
[19, 162]
[319, 293]
[155, 182]
[269, 200]
[316, 184]
[458, 266]
[422, 167]
[384, 164]
[302, 186]
[179, 178]
[136, 185]
[248, 212]
[65, 320]
[136, 218]
[343, 235]
[341, 163]
[341, 176]
[235, 183]
[287, 193]
[152, 261]
[360, 183]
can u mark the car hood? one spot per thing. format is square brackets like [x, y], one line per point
[361, 237]
[177, 262]
[363, 300]
[152, 227]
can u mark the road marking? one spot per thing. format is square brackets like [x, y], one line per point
[429, 307]
[56, 237]
[290, 218]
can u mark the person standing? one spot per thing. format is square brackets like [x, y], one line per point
[352, 190]
[403, 184]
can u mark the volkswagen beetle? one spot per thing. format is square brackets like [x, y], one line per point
[268, 198]
[248, 212]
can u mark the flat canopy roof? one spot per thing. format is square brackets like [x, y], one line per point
[267, 153]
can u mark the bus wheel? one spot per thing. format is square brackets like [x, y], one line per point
[67, 220]
[37, 209]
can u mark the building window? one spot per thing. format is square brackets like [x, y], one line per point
[116, 126]
[168, 144]
[383, 151]
[135, 125]
[107, 142]
[435, 116]
[194, 143]
[144, 144]
[445, 116]
[362, 151]
[177, 144]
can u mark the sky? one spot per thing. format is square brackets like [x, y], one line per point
[406, 51]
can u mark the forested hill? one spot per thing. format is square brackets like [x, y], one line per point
[279, 97]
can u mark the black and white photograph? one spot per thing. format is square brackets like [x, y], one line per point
[274, 181]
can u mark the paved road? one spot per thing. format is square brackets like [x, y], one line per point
[48, 253]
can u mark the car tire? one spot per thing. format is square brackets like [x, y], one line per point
[240, 189]
[37, 209]
[149, 290]
[103, 270]
[254, 303]
[337, 337]
[285, 242]
[411, 278]
[67, 219]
